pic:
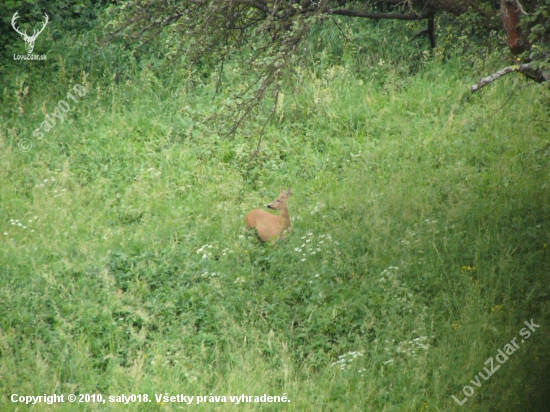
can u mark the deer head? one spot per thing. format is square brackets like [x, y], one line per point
[29, 40]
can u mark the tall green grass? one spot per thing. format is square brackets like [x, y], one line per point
[419, 244]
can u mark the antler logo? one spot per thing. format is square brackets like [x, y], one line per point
[29, 40]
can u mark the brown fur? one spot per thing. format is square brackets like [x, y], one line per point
[271, 227]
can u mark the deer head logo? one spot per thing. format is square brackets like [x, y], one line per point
[29, 40]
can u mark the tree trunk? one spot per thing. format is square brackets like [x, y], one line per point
[510, 19]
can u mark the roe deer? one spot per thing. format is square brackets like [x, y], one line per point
[271, 227]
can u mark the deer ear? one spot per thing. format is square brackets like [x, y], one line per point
[288, 192]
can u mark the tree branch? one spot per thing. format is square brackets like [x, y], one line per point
[524, 68]
[428, 31]
[419, 34]
[394, 16]
[521, 9]
[263, 128]
[431, 28]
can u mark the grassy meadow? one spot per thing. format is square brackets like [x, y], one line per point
[418, 246]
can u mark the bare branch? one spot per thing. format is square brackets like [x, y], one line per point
[524, 68]
[394, 16]
[339, 28]
[263, 128]
[522, 10]
[419, 34]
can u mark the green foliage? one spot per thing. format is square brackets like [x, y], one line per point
[538, 26]
[468, 35]
[371, 48]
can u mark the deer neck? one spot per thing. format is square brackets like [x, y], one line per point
[285, 218]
